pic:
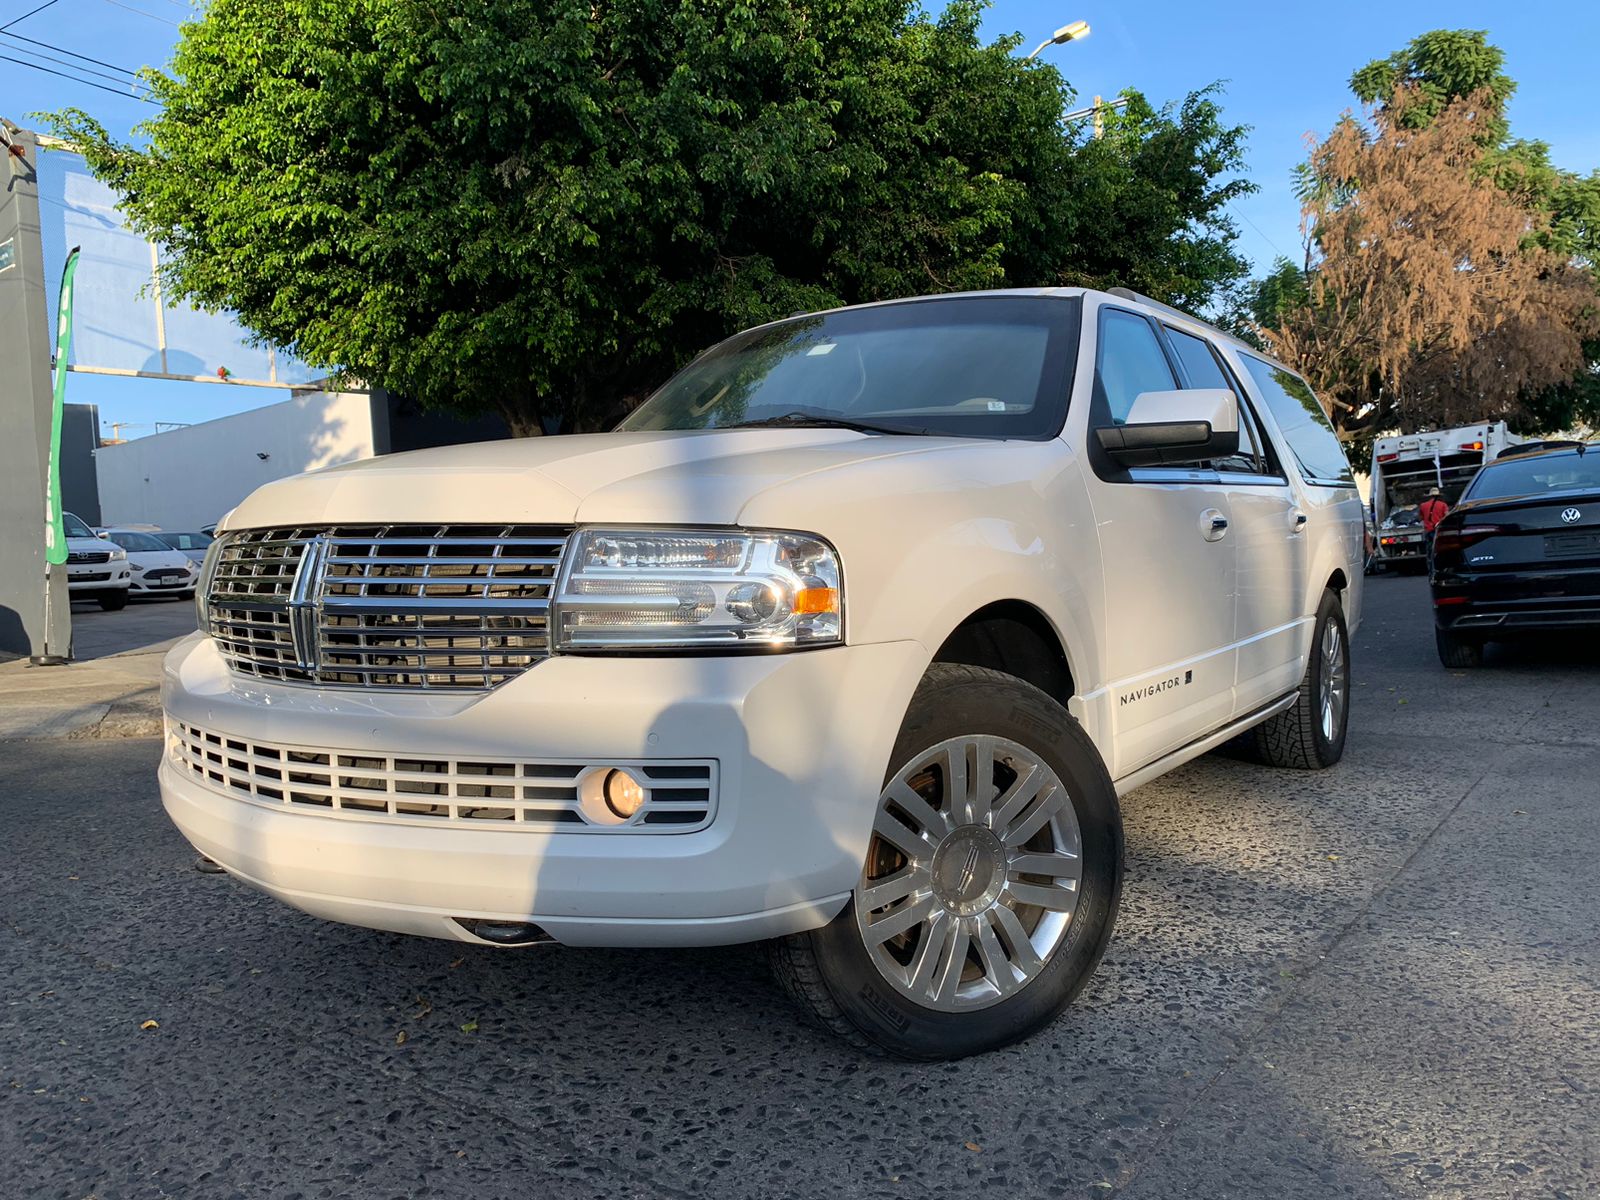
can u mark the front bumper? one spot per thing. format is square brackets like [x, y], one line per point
[97, 577]
[800, 742]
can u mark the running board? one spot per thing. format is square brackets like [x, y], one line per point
[1198, 747]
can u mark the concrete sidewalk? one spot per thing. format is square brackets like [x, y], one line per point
[118, 696]
[111, 689]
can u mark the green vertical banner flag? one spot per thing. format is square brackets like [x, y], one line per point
[55, 533]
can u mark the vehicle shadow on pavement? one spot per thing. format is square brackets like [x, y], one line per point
[1376, 979]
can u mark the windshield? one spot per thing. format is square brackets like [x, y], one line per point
[137, 541]
[1536, 475]
[185, 541]
[990, 366]
[75, 526]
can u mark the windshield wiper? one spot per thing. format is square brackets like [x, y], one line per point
[806, 420]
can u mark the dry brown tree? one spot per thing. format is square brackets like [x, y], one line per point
[1430, 302]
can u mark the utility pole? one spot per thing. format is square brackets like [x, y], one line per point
[25, 400]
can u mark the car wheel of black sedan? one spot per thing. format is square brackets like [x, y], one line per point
[1456, 651]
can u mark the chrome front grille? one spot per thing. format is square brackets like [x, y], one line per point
[446, 607]
[420, 789]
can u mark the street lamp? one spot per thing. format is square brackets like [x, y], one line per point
[1075, 32]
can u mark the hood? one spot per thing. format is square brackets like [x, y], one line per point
[653, 478]
[146, 559]
[88, 545]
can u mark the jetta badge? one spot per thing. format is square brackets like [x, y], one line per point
[1571, 515]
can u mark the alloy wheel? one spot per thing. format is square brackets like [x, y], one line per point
[1335, 680]
[973, 873]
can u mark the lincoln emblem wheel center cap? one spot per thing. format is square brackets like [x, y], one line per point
[969, 870]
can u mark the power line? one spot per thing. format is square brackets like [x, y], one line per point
[86, 70]
[22, 62]
[141, 12]
[70, 53]
[29, 13]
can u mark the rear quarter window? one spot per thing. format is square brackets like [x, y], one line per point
[1298, 412]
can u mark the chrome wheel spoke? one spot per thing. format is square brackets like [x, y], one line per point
[1054, 899]
[902, 837]
[997, 968]
[934, 822]
[1016, 937]
[880, 893]
[978, 799]
[952, 962]
[898, 921]
[959, 783]
[1018, 796]
[1056, 866]
[930, 951]
[1051, 800]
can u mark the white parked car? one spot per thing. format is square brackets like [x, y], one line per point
[849, 638]
[96, 569]
[158, 569]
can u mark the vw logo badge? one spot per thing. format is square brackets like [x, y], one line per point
[1571, 515]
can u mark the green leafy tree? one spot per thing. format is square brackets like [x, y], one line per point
[541, 209]
[1435, 69]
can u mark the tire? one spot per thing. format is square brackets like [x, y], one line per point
[1047, 791]
[1457, 652]
[1308, 737]
[113, 599]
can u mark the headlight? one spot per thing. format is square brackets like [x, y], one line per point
[118, 554]
[650, 588]
[203, 585]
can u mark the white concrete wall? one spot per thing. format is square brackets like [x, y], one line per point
[190, 477]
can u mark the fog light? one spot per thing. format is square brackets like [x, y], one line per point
[624, 794]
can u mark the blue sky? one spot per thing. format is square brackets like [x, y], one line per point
[1285, 68]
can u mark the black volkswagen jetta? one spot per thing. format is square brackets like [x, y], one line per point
[1520, 552]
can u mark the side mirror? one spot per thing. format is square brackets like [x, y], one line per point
[1174, 428]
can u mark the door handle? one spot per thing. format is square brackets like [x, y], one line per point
[1299, 522]
[1213, 525]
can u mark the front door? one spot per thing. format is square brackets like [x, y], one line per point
[1269, 541]
[1169, 567]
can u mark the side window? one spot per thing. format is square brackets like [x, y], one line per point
[1204, 371]
[1130, 361]
[1305, 426]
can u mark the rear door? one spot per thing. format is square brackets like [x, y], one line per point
[1165, 537]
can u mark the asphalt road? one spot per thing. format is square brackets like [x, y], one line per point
[1379, 980]
[147, 623]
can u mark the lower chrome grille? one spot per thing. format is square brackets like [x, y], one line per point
[421, 789]
[452, 607]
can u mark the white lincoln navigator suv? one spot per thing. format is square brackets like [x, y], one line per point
[849, 638]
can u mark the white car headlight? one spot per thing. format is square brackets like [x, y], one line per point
[118, 554]
[664, 588]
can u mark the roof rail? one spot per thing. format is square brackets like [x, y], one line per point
[1137, 298]
[1536, 446]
